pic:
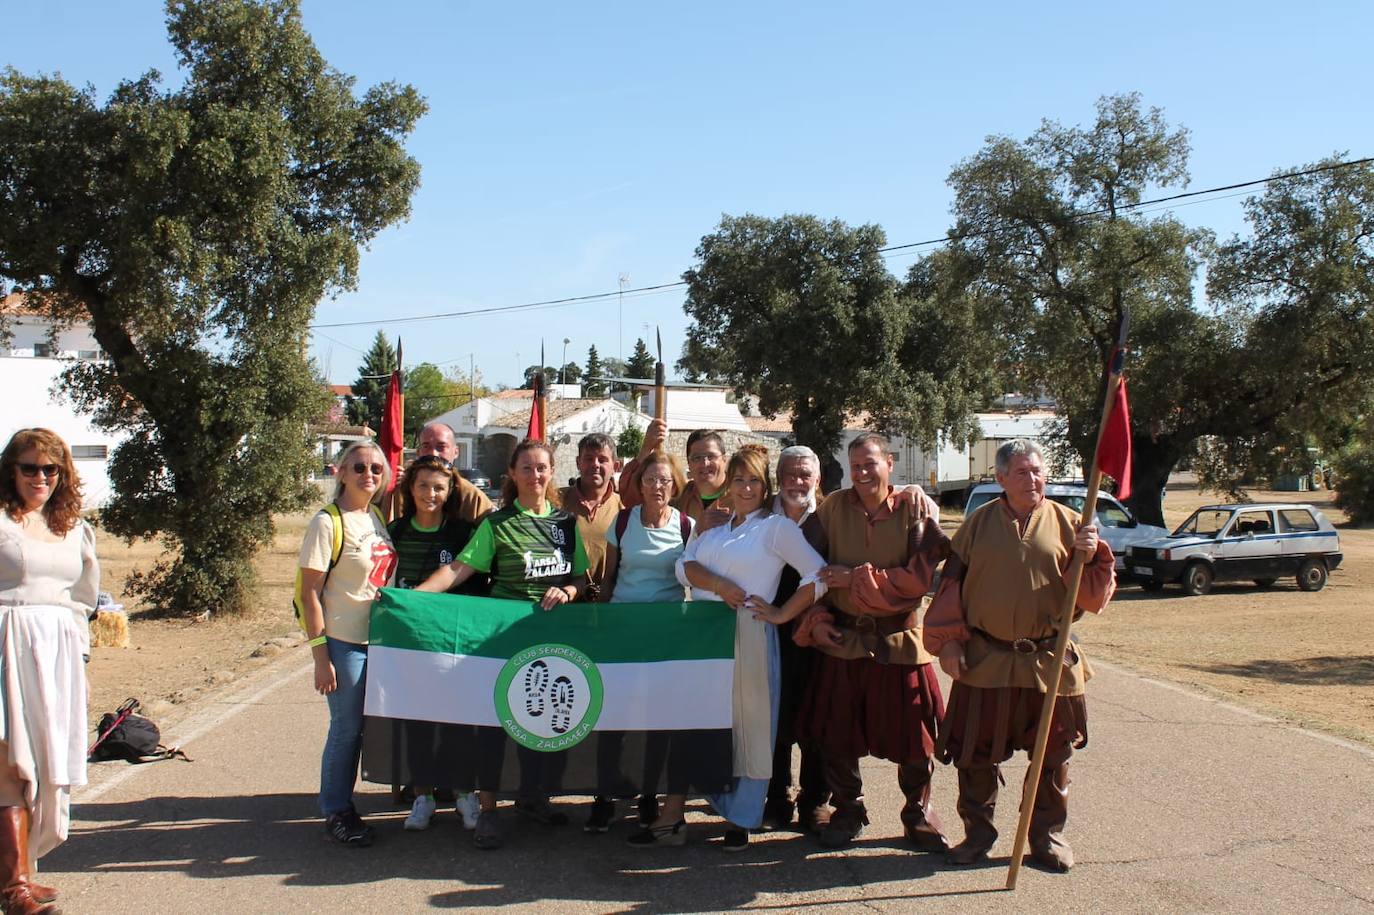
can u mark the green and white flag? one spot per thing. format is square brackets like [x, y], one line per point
[456, 684]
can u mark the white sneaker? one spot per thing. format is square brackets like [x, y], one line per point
[468, 808]
[420, 813]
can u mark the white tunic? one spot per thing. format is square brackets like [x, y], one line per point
[752, 556]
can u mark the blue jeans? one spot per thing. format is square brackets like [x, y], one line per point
[339, 762]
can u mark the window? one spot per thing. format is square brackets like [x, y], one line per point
[1295, 520]
[1113, 515]
[88, 355]
[90, 452]
[43, 350]
[1206, 522]
[1251, 523]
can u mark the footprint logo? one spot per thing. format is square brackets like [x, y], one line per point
[536, 687]
[563, 699]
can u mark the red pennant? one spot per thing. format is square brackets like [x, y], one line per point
[391, 438]
[1114, 454]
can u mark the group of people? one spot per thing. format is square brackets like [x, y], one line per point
[832, 655]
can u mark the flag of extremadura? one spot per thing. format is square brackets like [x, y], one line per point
[462, 690]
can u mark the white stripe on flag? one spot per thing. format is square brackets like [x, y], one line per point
[658, 696]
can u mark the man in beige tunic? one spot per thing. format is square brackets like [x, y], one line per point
[992, 627]
[594, 501]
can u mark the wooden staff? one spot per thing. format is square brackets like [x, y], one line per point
[660, 389]
[1061, 646]
[393, 503]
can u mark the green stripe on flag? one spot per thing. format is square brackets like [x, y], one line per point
[607, 633]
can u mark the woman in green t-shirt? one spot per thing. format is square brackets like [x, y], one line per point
[533, 552]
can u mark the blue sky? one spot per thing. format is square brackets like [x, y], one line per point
[567, 144]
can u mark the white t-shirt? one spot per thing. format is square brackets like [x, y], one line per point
[648, 560]
[367, 562]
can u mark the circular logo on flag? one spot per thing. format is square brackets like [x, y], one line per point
[548, 697]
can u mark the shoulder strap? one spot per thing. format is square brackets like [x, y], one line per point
[336, 544]
[622, 524]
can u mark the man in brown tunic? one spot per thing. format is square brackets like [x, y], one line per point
[992, 626]
[468, 502]
[873, 691]
[594, 501]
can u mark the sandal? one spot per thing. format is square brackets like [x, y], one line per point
[653, 836]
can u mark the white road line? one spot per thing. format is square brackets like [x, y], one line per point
[1196, 693]
[198, 724]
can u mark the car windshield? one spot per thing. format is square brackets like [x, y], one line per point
[1205, 522]
[978, 500]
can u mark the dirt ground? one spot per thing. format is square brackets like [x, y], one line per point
[1308, 658]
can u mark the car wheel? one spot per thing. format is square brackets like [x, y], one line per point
[1151, 585]
[1265, 582]
[1197, 579]
[1312, 575]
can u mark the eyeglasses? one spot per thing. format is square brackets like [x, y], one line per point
[50, 471]
[377, 469]
[705, 457]
[425, 461]
[656, 482]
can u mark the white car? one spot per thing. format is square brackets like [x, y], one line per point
[1259, 542]
[1115, 523]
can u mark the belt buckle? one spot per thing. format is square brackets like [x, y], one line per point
[1023, 646]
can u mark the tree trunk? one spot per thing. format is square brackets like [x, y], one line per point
[1151, 464]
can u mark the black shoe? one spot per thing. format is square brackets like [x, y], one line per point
[777, 814]
[736, 839]
[603, 812]
[841, 830]
[541, 811]
[648, 809]
[654, 836]
[347, 828]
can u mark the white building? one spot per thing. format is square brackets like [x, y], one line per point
[29, 370]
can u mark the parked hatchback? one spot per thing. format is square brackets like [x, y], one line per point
[1115, 523]
[1259, 542]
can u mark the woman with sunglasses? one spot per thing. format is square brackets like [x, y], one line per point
[427, 536]
[533, 551]
[337, 599]
[49, 580]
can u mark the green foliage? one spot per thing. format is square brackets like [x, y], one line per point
[804, 314]
[428, 393]
[550, 375]
[570, 373]
[595, 370]
[368, 400]
[1354, 473]
[641, 362]
[628, 443]
[196, 228]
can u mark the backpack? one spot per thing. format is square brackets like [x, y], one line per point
[335, 551]
[124, 735]
[622, 524]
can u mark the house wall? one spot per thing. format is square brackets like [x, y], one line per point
[28, 383]
[29, 332]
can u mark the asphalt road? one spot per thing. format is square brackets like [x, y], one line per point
[1180, 803]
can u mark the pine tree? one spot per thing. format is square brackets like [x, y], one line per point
[594, 387]
[369, 390]
[641, 363]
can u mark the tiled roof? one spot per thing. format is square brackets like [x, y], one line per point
[560, 409]
[341, 390]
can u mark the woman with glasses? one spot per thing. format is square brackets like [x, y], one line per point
[49, 580]
[533, 551]
[336, 595]
[427, 536]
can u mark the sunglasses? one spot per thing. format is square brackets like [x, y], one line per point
[48, 470]
[428, 461]
[377, 469]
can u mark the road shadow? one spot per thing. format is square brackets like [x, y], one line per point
[1347, 670]
[280, 835]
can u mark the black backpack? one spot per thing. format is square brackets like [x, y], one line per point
[124, 735]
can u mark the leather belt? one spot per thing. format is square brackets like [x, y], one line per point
[1020, 646]
[881, 625]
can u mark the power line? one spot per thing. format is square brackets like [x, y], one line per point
[889, 250]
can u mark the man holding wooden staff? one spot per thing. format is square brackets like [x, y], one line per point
[992, 625]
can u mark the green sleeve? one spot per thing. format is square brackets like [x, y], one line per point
[481, 549]
[580, 563]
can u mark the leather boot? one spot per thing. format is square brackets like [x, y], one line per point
[1051, 813]
[17, 895]
[918, 818]
[847, 796]
[977, 803]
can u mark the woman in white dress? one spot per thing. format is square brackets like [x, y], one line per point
[740, 563]
[49, 580]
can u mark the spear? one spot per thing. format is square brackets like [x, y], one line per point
[1061, 646]
[542, 397]
[660, 387]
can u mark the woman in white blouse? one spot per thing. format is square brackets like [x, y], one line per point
[741, 563]
[49, 579]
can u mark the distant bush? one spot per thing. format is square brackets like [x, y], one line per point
[1355, 484]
